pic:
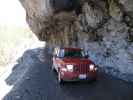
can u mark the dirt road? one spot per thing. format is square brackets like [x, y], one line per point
[39, 83]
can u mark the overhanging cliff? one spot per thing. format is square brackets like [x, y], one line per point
[104, 28]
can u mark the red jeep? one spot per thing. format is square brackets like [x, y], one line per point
[71, 64]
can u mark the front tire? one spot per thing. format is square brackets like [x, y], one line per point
[60, 80]
[53, 68]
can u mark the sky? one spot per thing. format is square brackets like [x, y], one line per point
[12, 13]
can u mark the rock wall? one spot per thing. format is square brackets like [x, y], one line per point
[104, 28]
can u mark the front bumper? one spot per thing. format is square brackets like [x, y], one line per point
[73, 76]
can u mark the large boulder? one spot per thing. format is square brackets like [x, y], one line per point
[92, 17]
[43, 15]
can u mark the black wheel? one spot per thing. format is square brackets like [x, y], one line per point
[93, 80]
[59, 79]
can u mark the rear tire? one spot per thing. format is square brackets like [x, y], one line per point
[93, 80]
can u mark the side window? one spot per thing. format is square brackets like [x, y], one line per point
[54, 53]
[56, 50]
[61, 53]
[83, 53]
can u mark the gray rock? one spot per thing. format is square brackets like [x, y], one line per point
[114, 51]
[115, 11]
[127, 4]
[92, 15]
[103, 28]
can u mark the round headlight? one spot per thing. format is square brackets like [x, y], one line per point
[91, 67]
[69, 67]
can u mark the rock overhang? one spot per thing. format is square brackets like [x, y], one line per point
[104, 28]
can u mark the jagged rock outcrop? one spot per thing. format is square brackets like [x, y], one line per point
[104, 28]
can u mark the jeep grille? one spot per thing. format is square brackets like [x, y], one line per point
[81, 68]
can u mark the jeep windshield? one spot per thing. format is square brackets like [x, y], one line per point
[71, 53]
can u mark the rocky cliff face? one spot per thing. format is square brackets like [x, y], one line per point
[104, 28]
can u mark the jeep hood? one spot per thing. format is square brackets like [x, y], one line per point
[77, 60]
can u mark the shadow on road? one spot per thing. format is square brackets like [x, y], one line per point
[33, 79]
[22, 66]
